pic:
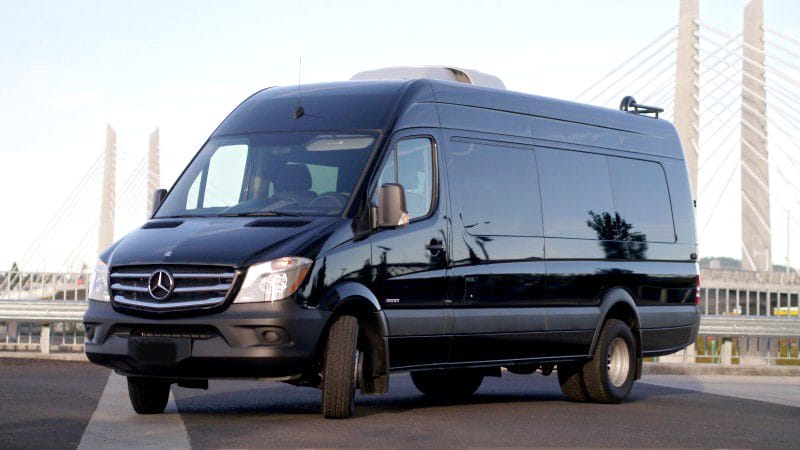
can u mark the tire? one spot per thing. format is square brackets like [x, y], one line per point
[570, 377]
[609, 375]
[447, 384]
[339, 376]
[148, 395]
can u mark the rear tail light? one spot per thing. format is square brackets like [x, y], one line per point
[697, 290]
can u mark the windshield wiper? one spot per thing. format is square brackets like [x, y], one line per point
[262, 214]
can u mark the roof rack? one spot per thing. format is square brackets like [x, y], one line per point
[629, 104]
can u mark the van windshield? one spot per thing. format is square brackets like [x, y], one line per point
[299, 173]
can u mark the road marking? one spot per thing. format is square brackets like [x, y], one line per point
[782, 390]
[114, 424]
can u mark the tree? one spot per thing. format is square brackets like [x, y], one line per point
[613, 229]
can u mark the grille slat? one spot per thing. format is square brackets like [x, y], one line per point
[122, 287]
[194, 287]
[218, 287]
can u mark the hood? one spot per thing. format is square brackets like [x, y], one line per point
[230, 241]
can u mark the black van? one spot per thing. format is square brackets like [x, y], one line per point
[332, 235]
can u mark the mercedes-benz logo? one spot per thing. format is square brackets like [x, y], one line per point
[160, 284]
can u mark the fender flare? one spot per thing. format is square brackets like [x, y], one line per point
[355, 295]
[610, 299]
[344, 291]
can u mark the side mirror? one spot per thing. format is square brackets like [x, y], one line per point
[392, 212]
[158, 197]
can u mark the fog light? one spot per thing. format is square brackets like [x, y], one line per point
[271, 337]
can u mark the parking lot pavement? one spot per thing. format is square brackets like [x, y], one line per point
[48, 404]
[517, 410]
[783, 390]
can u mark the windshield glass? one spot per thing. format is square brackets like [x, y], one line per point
[300, 173]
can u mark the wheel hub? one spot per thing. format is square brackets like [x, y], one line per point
[618, 362]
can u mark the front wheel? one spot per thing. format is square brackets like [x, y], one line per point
[340, 369]
[609, 375]
[447, 384]
[148, 395]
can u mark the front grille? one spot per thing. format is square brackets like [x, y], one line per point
[194, 287]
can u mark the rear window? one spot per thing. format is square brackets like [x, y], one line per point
[641, 198]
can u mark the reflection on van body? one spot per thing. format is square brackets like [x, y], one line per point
[426, 226]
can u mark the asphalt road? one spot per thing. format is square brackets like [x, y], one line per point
[49, 403]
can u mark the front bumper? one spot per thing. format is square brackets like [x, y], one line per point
[257, 340]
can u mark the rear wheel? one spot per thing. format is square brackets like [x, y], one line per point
[609, 375]
[570, 378]
[148, 395]
[340, 370]
[447, 384]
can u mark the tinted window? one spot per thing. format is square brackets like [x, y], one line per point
[642, 200]
[411, 164]
[495, 188]
[576, 191]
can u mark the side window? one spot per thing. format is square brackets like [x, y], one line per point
[495, 188]
[576, 194]
[642, 201]
[225, 175]
[410, 163]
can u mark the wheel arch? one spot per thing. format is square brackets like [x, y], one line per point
[357, 300]
[618, 303]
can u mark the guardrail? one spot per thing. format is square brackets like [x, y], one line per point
[749, 326]
[16, 285]
[41, 325]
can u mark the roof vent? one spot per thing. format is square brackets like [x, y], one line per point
[446, 73]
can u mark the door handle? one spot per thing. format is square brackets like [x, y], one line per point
[435, 247]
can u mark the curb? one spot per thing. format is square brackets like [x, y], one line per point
[714, 369]
[52, 356]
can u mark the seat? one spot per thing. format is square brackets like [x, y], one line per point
[292, 185]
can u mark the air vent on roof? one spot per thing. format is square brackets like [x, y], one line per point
[467, 76]
[278, 223]
[162, 224]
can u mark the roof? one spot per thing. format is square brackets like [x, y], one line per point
[371, 104]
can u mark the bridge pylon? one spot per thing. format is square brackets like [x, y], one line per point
[756, 229]
[687, 85]
[107, 203]
[153, 169]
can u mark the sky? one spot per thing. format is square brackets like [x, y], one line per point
[69, 68]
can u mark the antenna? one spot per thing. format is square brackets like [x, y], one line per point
[298, 110]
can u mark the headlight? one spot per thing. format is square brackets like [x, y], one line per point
[273, 280]
[98, 283]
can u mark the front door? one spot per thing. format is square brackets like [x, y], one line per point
[410, 263]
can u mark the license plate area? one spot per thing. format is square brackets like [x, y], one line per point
[159, 350]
